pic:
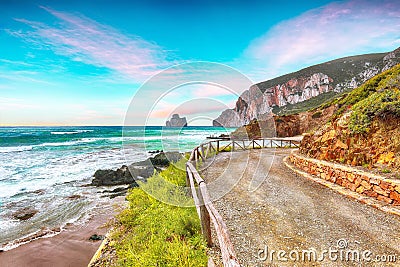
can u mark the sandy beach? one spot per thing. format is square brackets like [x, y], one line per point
[71, 247]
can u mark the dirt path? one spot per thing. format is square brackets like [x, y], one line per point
[291, 213]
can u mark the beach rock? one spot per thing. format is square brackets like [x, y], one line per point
[111, 177]
[136, 171]
[155, 151]
[163, 159]
[72, 197]
[96, 237]
[119, 191]
[25, 213]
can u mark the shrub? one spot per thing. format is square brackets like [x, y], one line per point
[153, 233]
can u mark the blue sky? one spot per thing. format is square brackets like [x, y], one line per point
[81, 63]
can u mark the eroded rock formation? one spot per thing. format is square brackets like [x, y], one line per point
[176, 121]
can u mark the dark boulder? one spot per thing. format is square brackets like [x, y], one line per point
[25, 213]
[136, 171]
[96, 237]
[111, 177]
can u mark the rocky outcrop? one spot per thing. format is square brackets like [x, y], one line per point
[136, 171]
[332, 77]
[25, 213]
[379, 148]
[176, 121]
[254, 104]
[285, 126]
[110, 177]
[365, 129]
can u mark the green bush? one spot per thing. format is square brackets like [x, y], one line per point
[380, 104]
[153, 233]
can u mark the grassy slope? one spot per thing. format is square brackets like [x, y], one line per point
[152, 233]
[339, 69]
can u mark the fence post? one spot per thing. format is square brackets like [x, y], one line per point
[205, 221]
[217, 146]
[233, 145]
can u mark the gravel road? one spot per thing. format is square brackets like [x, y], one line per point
[295, 215]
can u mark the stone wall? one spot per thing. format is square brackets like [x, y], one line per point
[362, 182]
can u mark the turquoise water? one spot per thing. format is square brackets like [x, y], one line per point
[42, 167]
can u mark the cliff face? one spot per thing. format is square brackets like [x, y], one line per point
[254, 104]
[332, 77]
[176, 121]
[285, 126]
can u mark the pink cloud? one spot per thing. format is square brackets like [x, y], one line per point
[90, 42]
[335, 30]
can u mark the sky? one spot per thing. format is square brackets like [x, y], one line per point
[91, 62]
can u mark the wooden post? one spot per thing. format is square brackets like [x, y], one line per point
[217, 146]
[200, 155]
[233, 145]
[253, 143]
[205, 222]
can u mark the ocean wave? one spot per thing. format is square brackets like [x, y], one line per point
[46, 233]
[15, 149]
[72, 132]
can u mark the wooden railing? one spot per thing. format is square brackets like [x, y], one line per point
[205, 209]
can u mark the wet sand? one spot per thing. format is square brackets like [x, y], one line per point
[70, 248]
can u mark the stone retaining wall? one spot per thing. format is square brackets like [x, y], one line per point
[362, 182]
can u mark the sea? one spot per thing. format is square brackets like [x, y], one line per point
[47, 169]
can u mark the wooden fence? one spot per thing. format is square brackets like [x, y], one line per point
[205, 209]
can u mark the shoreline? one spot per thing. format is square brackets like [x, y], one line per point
[71, 247]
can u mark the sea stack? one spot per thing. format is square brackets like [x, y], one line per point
[176, 121]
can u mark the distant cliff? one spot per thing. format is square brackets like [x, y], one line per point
[176, 121]
[312, 86]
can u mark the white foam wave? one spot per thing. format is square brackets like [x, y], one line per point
[72, 132]
[15, 149]
[64, 132]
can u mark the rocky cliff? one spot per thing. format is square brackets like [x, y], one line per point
[176, 121]
[365, 129]
[285, 126]
[315, 82]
